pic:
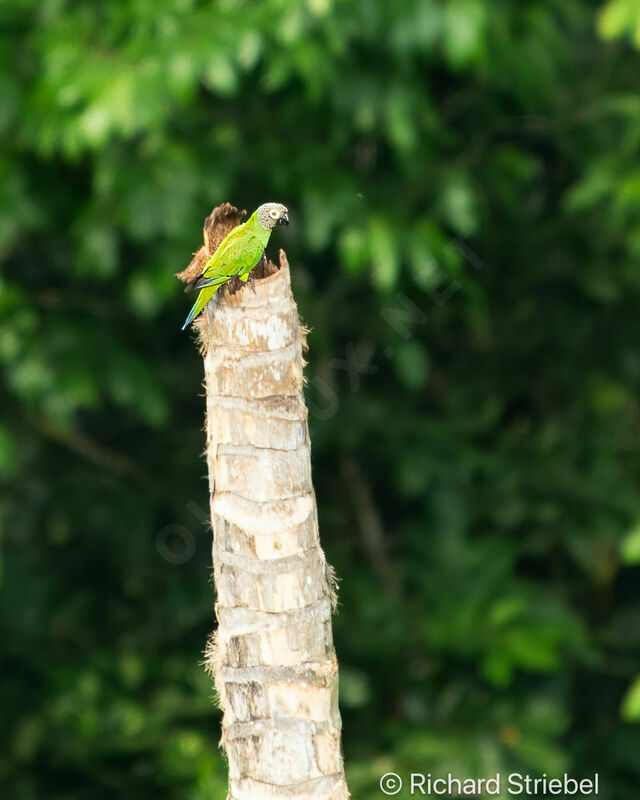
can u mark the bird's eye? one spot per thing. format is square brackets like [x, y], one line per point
[274, 213]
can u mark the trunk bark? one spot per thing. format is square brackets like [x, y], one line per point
[272, 655]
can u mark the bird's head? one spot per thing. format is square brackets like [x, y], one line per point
[272, 214]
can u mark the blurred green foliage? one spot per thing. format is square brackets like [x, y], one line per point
[464, 185]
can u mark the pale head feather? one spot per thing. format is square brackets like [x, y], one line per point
[272, 214]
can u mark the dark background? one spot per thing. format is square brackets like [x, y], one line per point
[464, 187]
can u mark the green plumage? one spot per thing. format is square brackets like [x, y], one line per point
[238, 253]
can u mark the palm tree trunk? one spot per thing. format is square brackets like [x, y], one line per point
[272, 655]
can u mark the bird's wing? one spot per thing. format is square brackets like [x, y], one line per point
[216, 268]
[236, 253]
[203, 282]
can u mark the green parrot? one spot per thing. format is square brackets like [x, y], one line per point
[238, 253]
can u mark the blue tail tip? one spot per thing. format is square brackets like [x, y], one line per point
[189, 320]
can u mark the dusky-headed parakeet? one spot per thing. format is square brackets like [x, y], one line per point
[238, 253]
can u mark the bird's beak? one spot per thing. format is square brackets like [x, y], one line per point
[284, 219]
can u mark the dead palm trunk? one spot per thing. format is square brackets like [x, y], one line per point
[272, 656]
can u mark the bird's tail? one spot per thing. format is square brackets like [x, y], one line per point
[201, 301]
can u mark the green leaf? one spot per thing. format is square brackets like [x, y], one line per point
[220, 76]
[464, 31]
[412, 364]
[384, 253]
[354, 249]
[630, 707]
[630, 548]
[618, 17]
